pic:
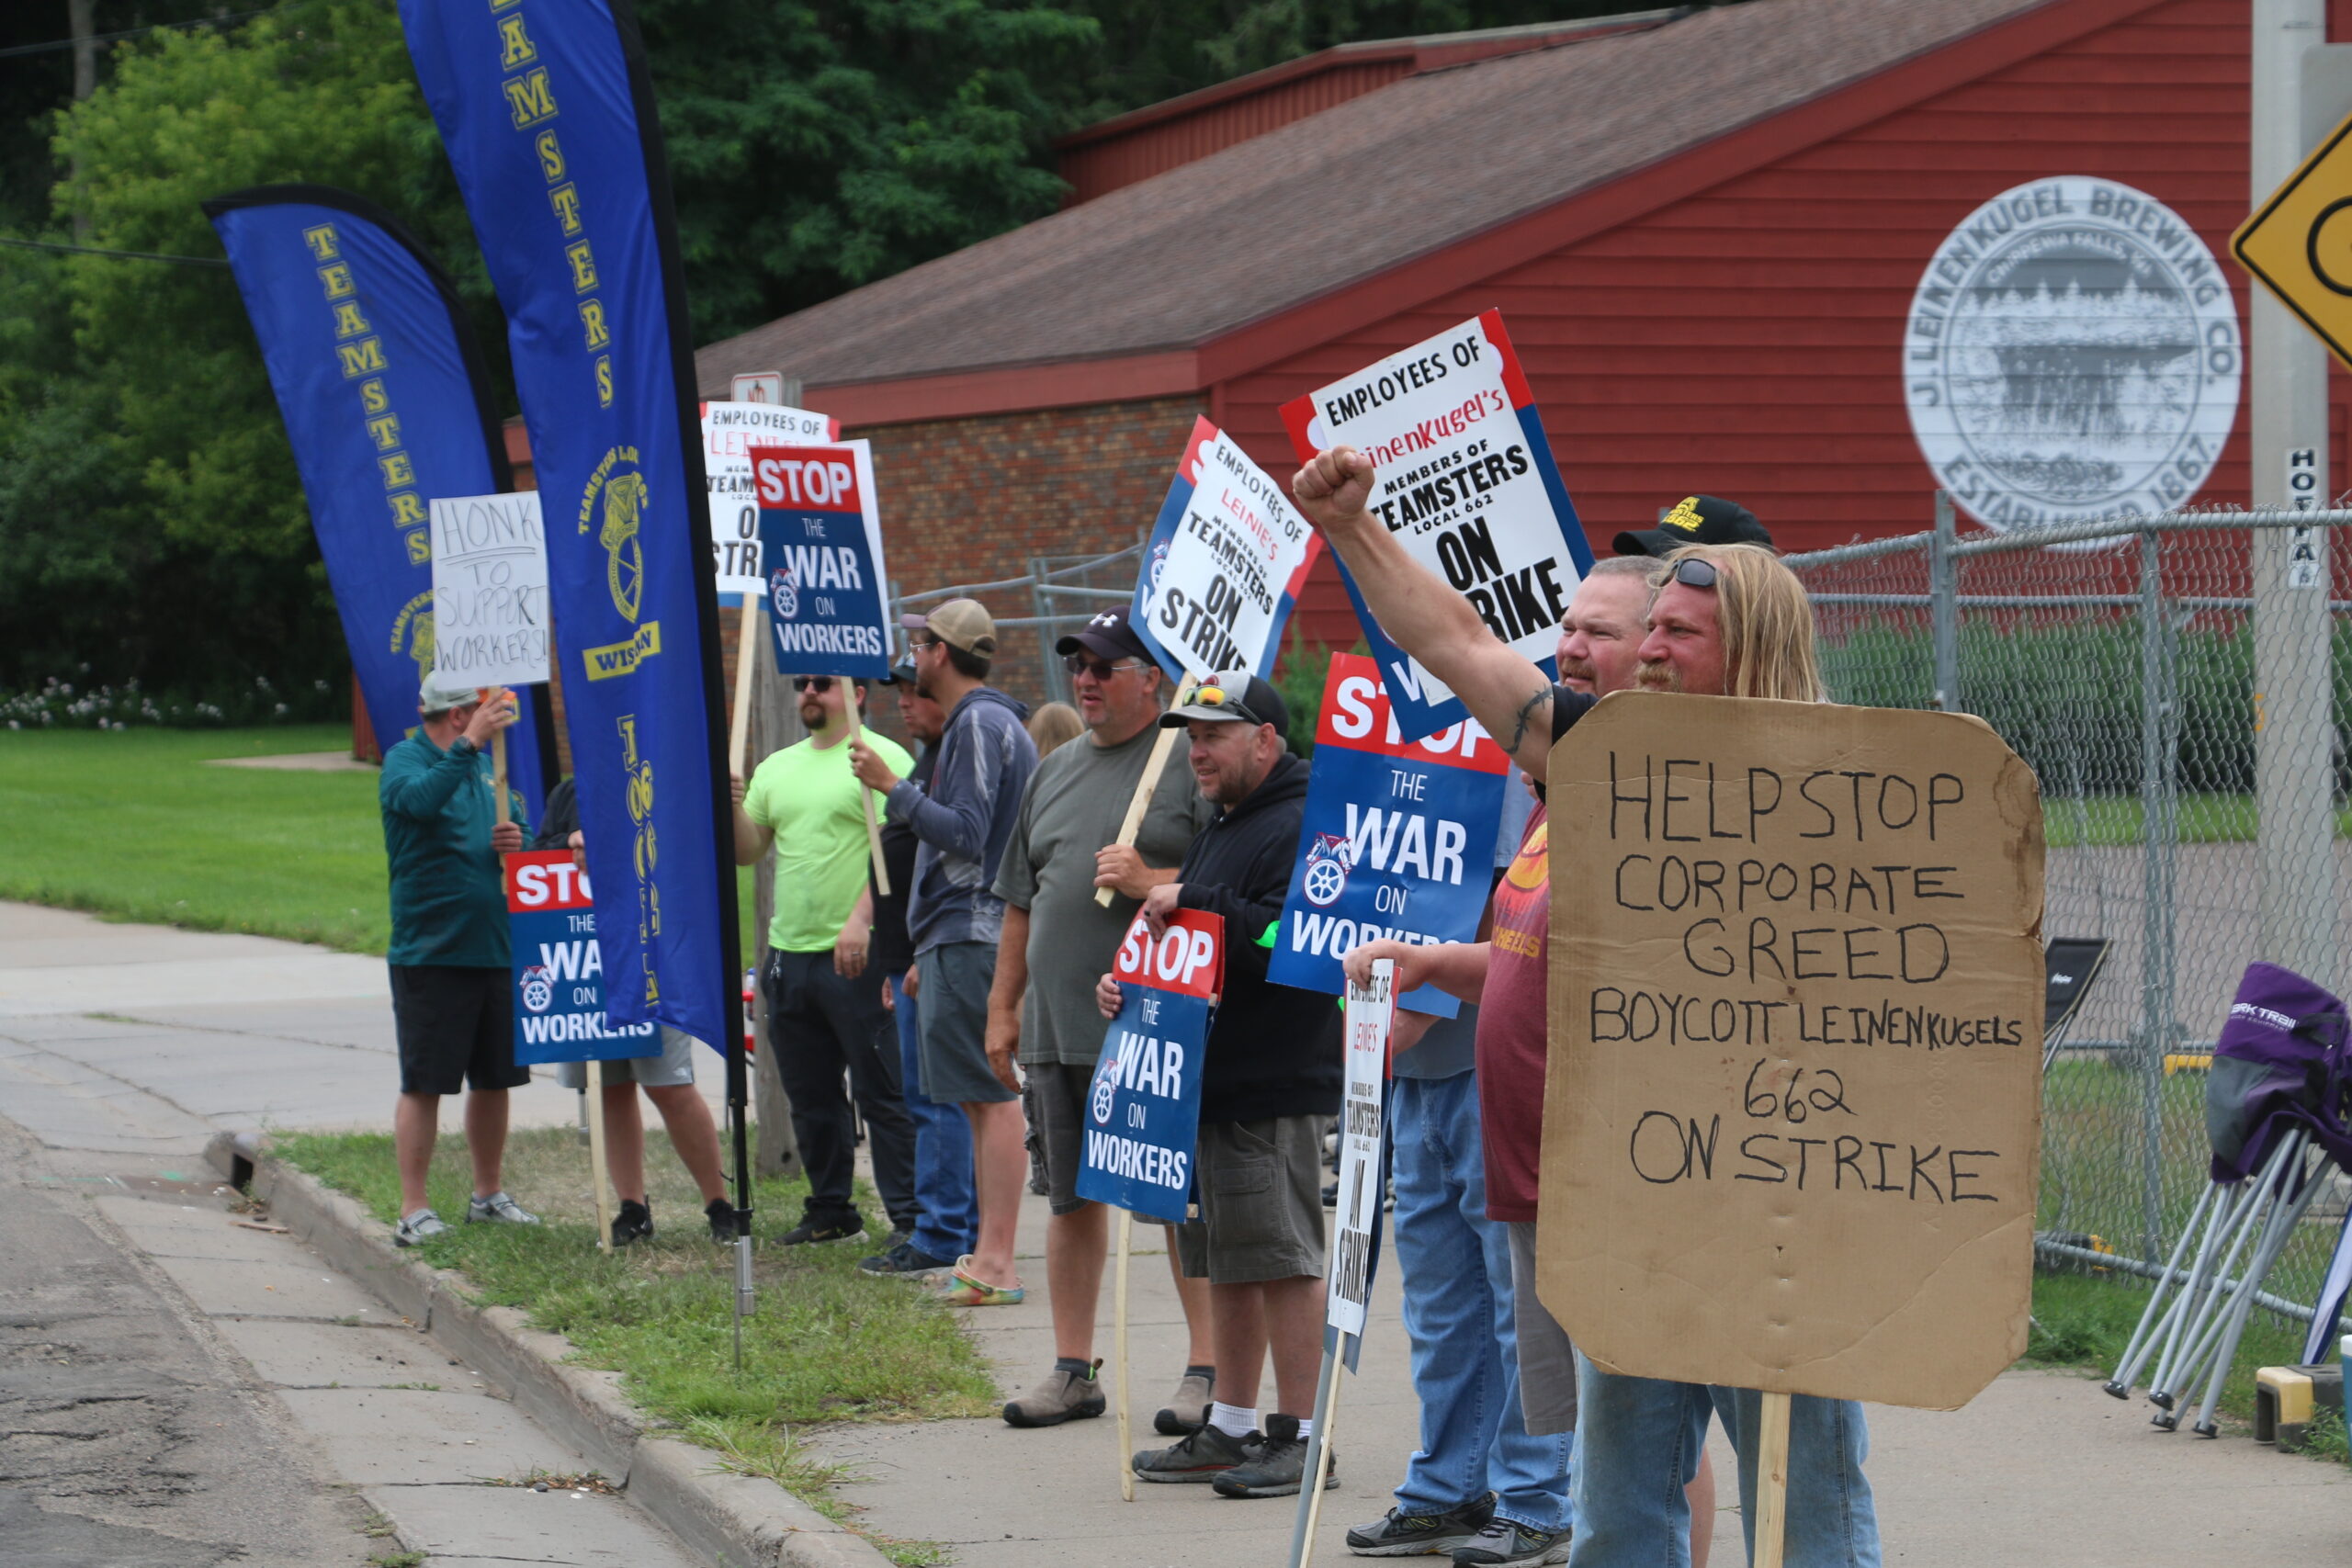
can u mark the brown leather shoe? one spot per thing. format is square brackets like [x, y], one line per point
[1062, 1395]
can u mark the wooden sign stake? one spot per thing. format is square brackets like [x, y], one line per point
[1771, 1480]
[596, 1157]
[751, 631]
[1119, 1350]
[864, 796]
[1164, 745]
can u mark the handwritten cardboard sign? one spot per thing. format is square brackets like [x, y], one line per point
[489, 589]
[1793, 1118]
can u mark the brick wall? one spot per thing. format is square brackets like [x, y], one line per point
[972, 499]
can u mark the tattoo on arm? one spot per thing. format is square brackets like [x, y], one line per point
[1541, 698]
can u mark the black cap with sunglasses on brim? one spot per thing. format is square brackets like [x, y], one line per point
[1696, 520]
[1235, 697]
[1108, 636]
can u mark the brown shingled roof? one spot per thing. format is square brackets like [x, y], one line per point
[1180, 259]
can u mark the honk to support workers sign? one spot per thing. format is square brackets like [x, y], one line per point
[1142, 1110]
[1396, 840]
[558, 973]
[1793, 1119]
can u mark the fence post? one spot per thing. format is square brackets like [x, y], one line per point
[1943, 593]
[2158, 832]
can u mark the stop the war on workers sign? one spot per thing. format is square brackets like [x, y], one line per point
[1142, 1110]
[558, 973]
[1397, 840]
[1227, 558]
[820, 558]
[730, 431]
[1464, 477]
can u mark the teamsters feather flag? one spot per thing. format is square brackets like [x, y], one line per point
[382, 387]
[548, 121]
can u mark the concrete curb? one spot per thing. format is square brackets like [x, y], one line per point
[735, 1521]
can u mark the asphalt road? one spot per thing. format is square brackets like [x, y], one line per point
[130, 1437]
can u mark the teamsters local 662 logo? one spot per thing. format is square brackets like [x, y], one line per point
[2073, 352]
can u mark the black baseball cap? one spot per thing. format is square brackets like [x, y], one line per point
[1235, 697]
[1107, 635]
[902, 674]
[1696, 520]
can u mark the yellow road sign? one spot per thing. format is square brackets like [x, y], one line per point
[2298, 244]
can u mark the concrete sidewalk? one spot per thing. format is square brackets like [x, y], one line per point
[122, 1050]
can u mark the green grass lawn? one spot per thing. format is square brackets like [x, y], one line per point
[139, 825]
[2110, 820]
[827, 1344]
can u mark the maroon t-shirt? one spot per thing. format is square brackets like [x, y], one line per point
[1513, 1022]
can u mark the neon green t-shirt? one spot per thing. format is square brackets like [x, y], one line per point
[810, 797]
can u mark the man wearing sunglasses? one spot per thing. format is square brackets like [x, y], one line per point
[1056, 940]
[1726, 620]
[824, 1019]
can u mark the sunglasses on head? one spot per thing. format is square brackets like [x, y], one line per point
[818, 683]
[1079, 664]
[1694, 574]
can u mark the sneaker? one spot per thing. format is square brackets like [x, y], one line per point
[1204, 1455]
[905, 1261]
[634, 1223]
[899, 1235]
[1277, 1466]
[721, 1215]
[1507, 1544]
[963, 1289]
[1400, 1534]
[1063, 1395]
[1188, 1407]
[813, 1227]
[423, 1226]
[498, 1209]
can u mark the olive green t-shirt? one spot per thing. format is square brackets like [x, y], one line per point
[810, 797]
[1074, 806]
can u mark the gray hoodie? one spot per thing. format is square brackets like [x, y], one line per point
[961, 824]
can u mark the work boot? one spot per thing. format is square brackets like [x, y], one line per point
[1205, 1455]
[634, 1223]
[1065, 1394]
[1277, 1466]
[1400, 1534]
[1189, 1405]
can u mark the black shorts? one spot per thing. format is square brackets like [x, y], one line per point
[456, 1027]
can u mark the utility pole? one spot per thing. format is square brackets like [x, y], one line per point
[2293, 769]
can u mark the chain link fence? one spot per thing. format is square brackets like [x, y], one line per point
[2195, 820]
[1060, 592]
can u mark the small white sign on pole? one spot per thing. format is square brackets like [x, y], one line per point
[2304, 544]
[760, 387]
[730, 431]
[1371, 1016]
[489, 589]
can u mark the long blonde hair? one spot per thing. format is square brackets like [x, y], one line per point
[1765, 620]
[1055, 725]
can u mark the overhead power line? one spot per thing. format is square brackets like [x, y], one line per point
[100, 250]
[55, 44]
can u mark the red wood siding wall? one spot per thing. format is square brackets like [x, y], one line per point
[1746, 341]
[1097, 168]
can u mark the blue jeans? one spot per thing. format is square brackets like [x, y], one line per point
[1457, 1270]
[947, 1208]
[1642, 1441]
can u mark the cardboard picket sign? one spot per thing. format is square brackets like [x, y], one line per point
[1464, 479]
[490, 589]
[559, 971]
[1394, 841]
[820, 541]
[1793, 1121]
[1223, 569]
[730, 431]
[1143, 1109]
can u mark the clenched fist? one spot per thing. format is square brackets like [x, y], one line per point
[1332, 488]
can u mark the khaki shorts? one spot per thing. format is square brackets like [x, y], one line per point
[1259, 1187]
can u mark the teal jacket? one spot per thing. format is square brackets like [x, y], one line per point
[448, 906]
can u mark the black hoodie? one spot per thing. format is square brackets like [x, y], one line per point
[1273, 1050]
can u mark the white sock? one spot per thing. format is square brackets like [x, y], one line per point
[1306, 1428]
[1231, 1419]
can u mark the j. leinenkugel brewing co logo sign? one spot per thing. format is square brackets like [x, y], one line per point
[2073, 352]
